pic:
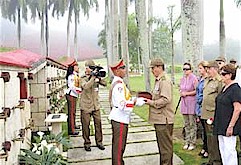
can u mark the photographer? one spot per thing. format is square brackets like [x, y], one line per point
[89, 103]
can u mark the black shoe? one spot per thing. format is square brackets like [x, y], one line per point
[74, 133]
[87, 148]
[205, 155]
[101, 147]
[77, 127]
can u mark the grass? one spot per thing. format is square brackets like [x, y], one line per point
[6, 49]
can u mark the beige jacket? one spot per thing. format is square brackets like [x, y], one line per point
[89, 99]
[161, 107]
[212, 87]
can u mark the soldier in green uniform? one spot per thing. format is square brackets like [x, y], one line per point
[161, 112]
[212, 86]
[90, 106]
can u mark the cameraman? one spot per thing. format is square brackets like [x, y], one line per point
[90, 106]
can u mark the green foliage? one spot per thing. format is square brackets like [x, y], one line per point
[45, 150]
[177, 69]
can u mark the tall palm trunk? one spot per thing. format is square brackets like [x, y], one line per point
[19, 27]
[68, 27]
[138, 38]
[75, 35]
[124, 35]
[114, 27]
[222, 38]
[144, 51]
[192, 25]
[108, 35]
[42, 34]
[46, 28]
[150, 17]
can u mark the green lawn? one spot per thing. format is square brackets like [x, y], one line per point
[6, 49]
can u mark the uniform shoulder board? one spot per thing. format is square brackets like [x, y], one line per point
[163, 78]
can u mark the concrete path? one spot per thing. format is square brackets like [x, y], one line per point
[141, 146]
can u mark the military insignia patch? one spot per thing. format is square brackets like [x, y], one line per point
[120, 89]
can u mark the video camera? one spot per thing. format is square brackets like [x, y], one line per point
[96, 71]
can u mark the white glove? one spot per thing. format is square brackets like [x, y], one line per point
[140, 101]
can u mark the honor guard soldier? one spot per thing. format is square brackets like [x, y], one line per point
[120, 114]
[73, 84]
[90, 105]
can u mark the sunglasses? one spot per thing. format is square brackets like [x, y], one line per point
[186, 69]
[224, 73]
[122, 67]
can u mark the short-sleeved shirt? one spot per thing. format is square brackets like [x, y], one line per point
[212, 87]
[188, 103]
[224, 110]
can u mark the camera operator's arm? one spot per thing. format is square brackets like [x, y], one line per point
[102, 82]
[88, 83]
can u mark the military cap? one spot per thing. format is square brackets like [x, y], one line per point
[220, 58]
[213, 64]
[89, 63]
[156, 62]
[117, 65]
[73, 63]
[232, 60]
[144, 94]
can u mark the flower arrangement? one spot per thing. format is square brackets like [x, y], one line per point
[45, 150]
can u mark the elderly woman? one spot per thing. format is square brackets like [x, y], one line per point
[227, 121]
[188, 85]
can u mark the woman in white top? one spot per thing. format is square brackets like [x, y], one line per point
[73, 83]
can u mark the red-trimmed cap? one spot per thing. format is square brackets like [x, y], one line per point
[73, 63]
[117, 65]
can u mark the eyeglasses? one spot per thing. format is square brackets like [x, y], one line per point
[224, 73]
[184, 69]
[122, 67]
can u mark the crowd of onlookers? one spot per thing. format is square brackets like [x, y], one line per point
[213, 99]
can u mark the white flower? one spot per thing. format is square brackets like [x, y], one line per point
[38, 152]
[35, 147]
[210, 121]
[57, 150]
[49, 146]
[44, 143]
[40, 134]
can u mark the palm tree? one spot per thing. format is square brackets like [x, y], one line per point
[114, 26]
[150, 18]
[222, 38]
[75, 6]
[143, 33]
[40, 9]
[15, 10]
[192, 30]
[108, 37]
[123, 4]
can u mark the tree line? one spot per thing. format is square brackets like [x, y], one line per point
[138, 37]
